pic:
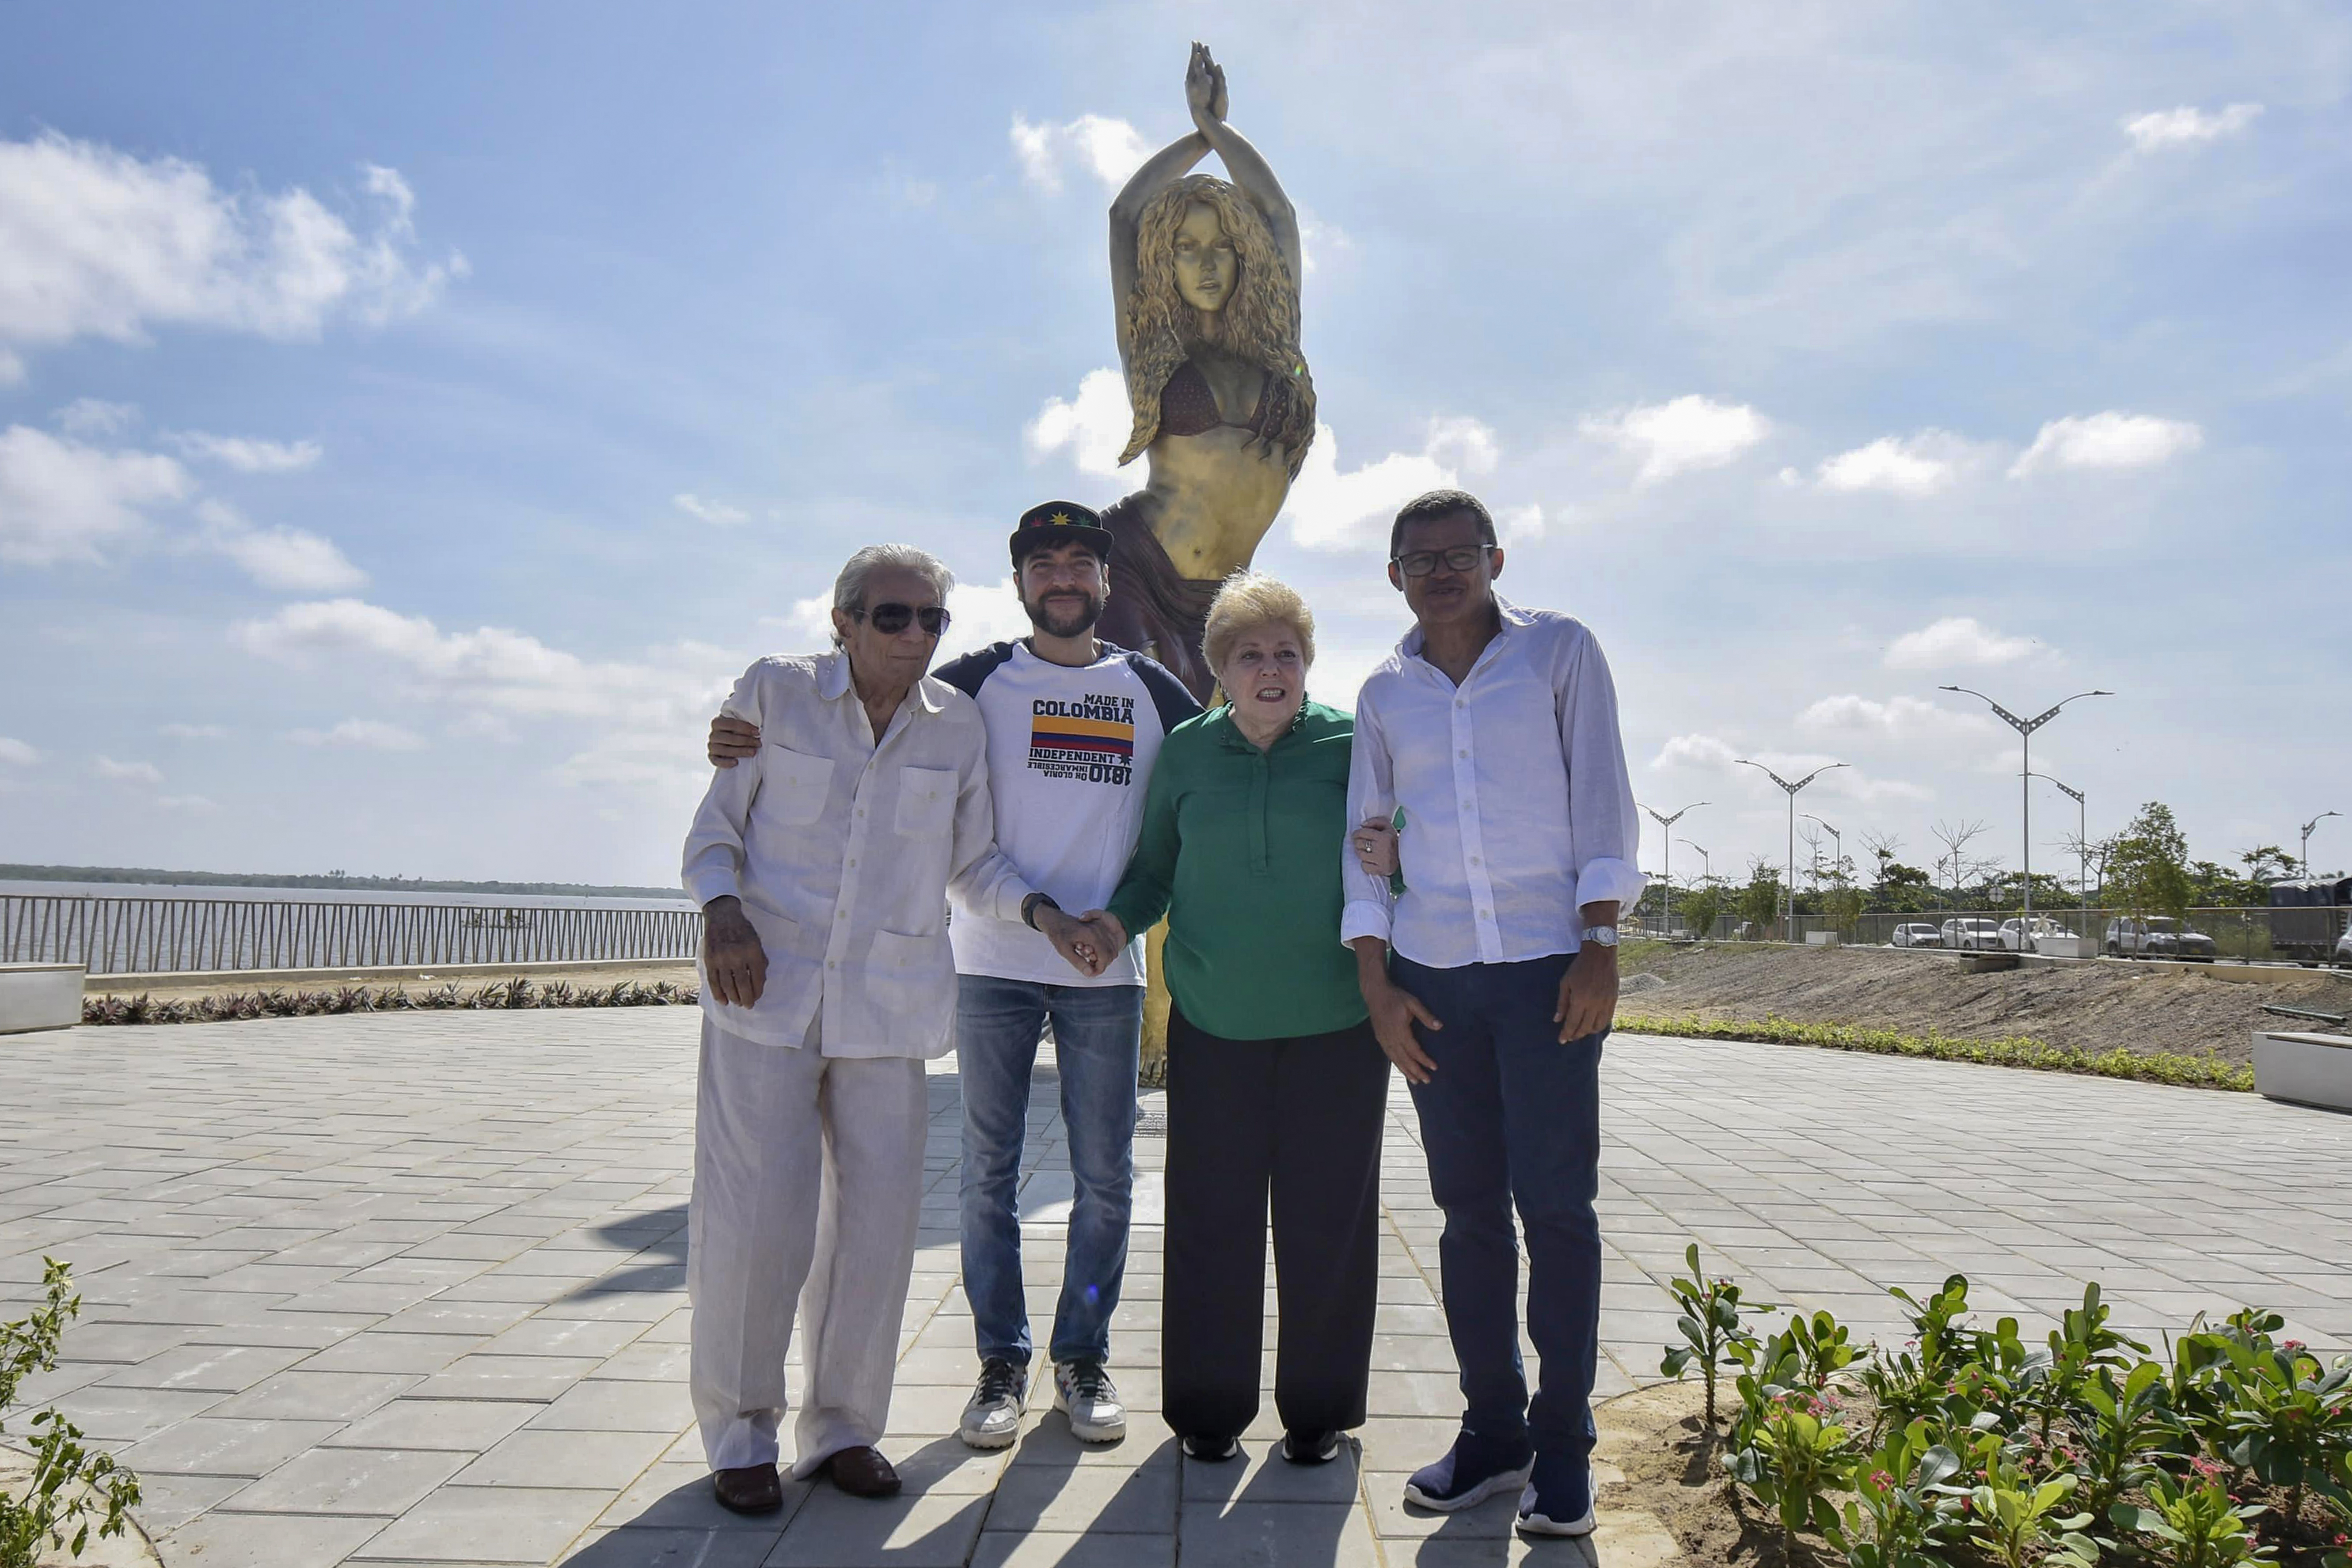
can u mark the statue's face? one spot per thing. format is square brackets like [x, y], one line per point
[1208, 269]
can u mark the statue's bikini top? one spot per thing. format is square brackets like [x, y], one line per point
[1187, 406]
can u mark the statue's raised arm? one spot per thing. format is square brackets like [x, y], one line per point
[1204, 276]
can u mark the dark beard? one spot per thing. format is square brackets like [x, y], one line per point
[1075, 621]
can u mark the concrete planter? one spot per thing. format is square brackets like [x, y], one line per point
[2066, 947]
[2306, 1070]
[39, 996]
[1821, 939]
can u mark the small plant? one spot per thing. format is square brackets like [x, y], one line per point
[2194, 1524]
[2291, 1420]
[1904, 1508]
[1791, 1458]
[70, 1486]
[2014, 1517]
[2119, 1424]
[1718, 1339]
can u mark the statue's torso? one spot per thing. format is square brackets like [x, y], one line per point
[1215, 484]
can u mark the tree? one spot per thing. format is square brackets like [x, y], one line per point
[1882, 848]
[1759, 901]
[2268, 863]
[1700, 905]
[2149, 867]
[1956, 838]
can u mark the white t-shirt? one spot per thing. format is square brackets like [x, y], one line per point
[1070, 750]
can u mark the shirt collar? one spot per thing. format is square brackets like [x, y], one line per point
[833, 681]
[1233, 732]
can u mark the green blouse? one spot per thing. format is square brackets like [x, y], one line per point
[1241, 851]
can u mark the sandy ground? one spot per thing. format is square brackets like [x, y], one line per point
[2089, 1007]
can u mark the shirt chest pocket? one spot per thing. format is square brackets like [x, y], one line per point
[793, 786]
[926, 801]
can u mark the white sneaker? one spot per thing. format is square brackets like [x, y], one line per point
[1533, 1520]
[1083, 1390]
[993, 1419]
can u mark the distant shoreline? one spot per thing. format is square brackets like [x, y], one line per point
[154, 878]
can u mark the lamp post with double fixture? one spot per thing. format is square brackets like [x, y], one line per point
[2024, 728]
[1788, 922]
[1668, 824]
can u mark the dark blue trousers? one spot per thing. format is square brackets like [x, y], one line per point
[1512, 1116]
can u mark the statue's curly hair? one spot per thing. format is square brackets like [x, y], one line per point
[1258, 324]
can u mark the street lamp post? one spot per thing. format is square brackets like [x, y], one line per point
[2024, 728]
[2082, 846]
[1837, 845]
[1667, 823]
[1788, 923]
[2305, 855]
[1705, 864]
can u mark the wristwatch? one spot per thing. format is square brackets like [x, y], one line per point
[1604, 936]
[1029, 907]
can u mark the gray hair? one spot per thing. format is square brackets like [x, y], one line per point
[849, 588]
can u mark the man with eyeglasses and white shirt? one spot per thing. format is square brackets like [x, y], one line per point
[822, 864]
[1492, 980]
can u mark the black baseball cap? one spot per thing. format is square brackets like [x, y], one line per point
[1054, 522]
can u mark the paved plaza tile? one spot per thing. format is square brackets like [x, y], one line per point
[411, 1290]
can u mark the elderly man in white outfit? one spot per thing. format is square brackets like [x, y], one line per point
[822, 865]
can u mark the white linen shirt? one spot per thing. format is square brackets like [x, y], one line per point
[1517, 806]
[841, 851]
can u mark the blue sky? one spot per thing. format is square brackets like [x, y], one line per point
[412, 417]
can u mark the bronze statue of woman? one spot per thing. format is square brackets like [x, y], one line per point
[1205, 276]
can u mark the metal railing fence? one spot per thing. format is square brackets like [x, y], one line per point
[139, 936]
[2251, 935]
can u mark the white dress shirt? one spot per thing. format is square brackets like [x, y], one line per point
[841, 851]
[1517, 807]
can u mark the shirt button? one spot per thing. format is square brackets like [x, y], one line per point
[1458, 753]
[1474, 859]
[853, 859]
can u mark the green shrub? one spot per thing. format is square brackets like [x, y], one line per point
[519, 991]
[70, 1486]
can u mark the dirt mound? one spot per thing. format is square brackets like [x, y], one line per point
[2143, 1007]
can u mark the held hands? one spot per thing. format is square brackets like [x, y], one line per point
[731, 740]
[1091, 941]
[1204, 87]
[732, 959]
[1587, 993]
[1375, 844]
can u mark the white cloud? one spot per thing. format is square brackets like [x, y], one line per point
[193, 805]
[716, 513]
[1956, 640]
[2187, 126]
[1695, 751]
[1094, 425]
[1898, 718]
[103, 244]
[18, 753]
[490, 669]
[1110, 150]
[1331, 510]
[1681, 436]
[246, 454]
[62, 500]
[196, 731]
[284, 558]
[1918, 464]
[1519, 524]
[89, 417]
[2107, 440]
[369, 735]
[129, 772]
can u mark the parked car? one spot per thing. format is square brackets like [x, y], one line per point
[1919, 934]
[2016, 938]
[2344, 950]
[1973, 935]
[2159, 936]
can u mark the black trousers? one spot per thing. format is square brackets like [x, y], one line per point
[1299, 1120]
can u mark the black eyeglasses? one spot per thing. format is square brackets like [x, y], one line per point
[892, 619]
[1462, 558]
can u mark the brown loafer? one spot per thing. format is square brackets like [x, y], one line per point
[861, 1472]
[749, 1488]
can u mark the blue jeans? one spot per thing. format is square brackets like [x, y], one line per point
[1512, 1114]
[1098, 1031]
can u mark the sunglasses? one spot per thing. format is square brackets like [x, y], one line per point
[1421, 563]
[892, 619]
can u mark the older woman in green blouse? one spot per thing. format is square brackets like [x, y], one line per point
[1275, 1081]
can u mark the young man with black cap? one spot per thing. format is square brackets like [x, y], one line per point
[1074, 726]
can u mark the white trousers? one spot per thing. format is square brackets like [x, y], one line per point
[808, 1186]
